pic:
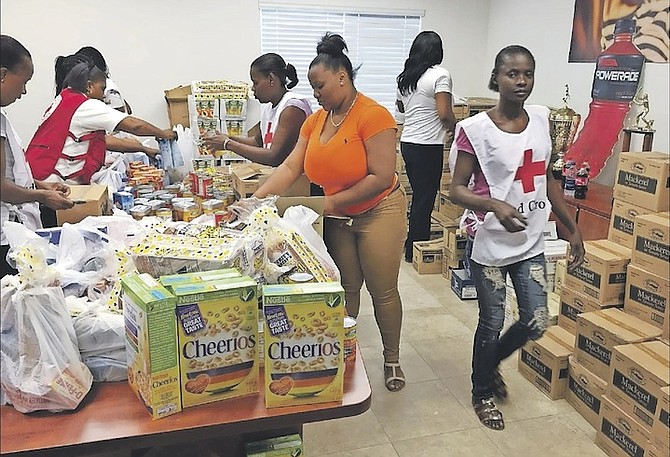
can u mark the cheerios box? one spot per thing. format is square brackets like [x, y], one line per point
[151, 344]
[217, 324]
[304, 342]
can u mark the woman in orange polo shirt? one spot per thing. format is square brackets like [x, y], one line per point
[348, 148]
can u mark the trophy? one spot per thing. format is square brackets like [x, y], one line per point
[563, 123]
[642, 124]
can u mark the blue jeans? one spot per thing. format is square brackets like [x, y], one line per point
[490, 348]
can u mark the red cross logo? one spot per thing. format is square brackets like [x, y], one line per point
[528, 170]
[267, 140]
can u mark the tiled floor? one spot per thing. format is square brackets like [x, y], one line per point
[431, 416]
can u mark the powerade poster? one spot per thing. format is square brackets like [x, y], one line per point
[593, 28]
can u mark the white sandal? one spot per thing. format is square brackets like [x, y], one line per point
[389, 380]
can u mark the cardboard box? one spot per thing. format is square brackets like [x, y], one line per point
[281, 446]
[313, 203]
[653, 451]
[602, 276]
[572, 304]
[177, 105]
[90, 200]
[660, 431]
[647, 296]
[639, 371]
[463, 285]
[217, 326]
[248, 177]
[553, 307]
[445, 181]
[448, 209]
[303, 343]
[599, 331]
[300, 188]
[585, 392]
[622, 222]
[151, 344]
[652, 243]
[618, 434]
[642, 178]
[544, 362]
[560, 271]
[427, 256]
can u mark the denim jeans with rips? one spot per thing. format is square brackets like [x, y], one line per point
[489, 347]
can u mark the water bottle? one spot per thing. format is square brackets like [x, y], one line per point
[615, 83]
[582, 181]
[570, 177]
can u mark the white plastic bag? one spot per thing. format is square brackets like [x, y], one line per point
[41, 364]
[112, 177]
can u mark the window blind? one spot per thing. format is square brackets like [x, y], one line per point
[378, 44]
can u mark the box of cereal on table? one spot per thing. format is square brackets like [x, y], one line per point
[217, 324]
[151, 344]
[304, 333]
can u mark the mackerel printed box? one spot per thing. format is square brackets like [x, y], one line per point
[303, 337]
[599, 331]
[622, 222]
[602, 276]
[573, 303]
[585, 392]
[652, 243]
[639, 372]
[642, 178]
[647, 297]
[660, 432]
[619, 435]
[544, 362]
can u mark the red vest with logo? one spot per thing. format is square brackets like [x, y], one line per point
[46, 147]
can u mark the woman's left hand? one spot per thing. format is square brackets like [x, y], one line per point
[576, 250]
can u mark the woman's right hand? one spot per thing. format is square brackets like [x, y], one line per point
[55, 199]
[509, 217]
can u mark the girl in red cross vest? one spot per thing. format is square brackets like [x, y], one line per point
[69, 145]
[501, 175]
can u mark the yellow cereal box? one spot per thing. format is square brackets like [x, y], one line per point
[217, 324]
[303, 343]
[151, 344]
[170, 281]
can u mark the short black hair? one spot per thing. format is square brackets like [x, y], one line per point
[95, 56]
[507, 51]
[79, 76]
[12, 53]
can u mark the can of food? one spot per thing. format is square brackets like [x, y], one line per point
[349, 339]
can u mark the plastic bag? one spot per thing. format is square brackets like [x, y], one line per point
[99, 331]
[189, 150]
[108, 368]
[41, 364]
[112, 177]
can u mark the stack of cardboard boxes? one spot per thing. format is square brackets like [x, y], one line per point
[618, 370]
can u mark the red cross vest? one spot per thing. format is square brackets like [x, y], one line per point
[514, 165]
[46, 147]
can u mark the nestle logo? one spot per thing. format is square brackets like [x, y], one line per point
[624, 425]
[608, 63]
[579, 303]
[583, 380]
[632, 213]
[536, 352]
[638, 166]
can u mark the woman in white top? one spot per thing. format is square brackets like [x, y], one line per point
[20, 193]
[282, 114]
[425, 97]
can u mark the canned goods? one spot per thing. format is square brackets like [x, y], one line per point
[349, 339]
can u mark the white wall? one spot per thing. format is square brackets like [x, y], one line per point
[152, 45]
[545, 28]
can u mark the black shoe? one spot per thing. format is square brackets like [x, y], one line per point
[488, 414]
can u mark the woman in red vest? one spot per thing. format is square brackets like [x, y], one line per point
[69, 145]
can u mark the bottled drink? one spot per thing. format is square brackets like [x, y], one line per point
[570, 177]
[615, 83]
[582, 181]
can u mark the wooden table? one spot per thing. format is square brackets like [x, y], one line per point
[111, 418]
[592, 213]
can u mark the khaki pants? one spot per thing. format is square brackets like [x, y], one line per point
[368, 247]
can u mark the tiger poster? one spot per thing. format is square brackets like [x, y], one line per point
[593, 28]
